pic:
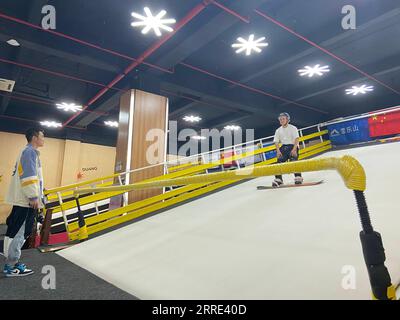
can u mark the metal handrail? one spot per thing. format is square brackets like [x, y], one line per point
[247, 143]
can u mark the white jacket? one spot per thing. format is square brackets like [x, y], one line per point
[27, 179]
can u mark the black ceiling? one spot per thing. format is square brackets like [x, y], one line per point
[197, 68]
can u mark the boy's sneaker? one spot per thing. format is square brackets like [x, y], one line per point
[6, 268]
[277, 183]
[19, 270]
[298, 180]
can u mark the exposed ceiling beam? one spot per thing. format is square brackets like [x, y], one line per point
[26, 44]
[210, 31]
[340, 40]
[203, 101]
[223, 121]
[209, 98]
[179, 111]
[34, 16]
[346, 84]
[259, 109]
[108, 105]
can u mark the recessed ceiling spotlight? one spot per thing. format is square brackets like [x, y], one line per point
[69, 107]
[51, 124]
[199, 137]
[152, 22]
[192, 118]
[113, 124]
[312, 71]
[354, 90]
[232, 128]
[13, 42]
[249, 45]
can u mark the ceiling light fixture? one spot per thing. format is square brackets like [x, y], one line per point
[249, 45]
[113, 124]
[152, 22]
[199, 137]
[192, 118]
[359, 90]
[312, 71]
[232, 128]
[13, 42]
[69, 107]
[51, 124]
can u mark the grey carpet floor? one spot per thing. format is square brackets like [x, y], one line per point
[71, 281]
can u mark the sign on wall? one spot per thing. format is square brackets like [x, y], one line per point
[349, 132]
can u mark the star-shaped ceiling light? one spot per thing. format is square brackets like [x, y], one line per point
[13, 42]
[199, 137]
[312, 71]
[69, 107]
[51, 124]
[149, 22]
[249, 45]
[113, 124]
[192, 118]
[354, 90]
[232, 128]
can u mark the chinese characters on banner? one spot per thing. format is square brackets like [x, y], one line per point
[349, 132]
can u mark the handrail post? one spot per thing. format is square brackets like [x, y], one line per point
[319, 130]
[301, 135]
[124, 196]
[95, 203]
[60, 201]
[263, 153]
[237, 161]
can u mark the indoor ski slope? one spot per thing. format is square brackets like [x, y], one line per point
[241, 243]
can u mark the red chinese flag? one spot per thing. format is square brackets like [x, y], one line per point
[384, 124]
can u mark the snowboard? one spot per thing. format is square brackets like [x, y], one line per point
[304, 184]
[54, 248]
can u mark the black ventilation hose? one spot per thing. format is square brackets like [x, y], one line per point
[363, 211]
[374, 253]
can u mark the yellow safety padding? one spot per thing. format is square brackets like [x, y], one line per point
[348, 167]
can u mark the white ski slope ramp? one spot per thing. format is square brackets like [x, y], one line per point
[241, 243]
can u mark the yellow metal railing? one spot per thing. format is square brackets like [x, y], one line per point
[100, 221]
[53, 191]
[128, 212]
[349, 168]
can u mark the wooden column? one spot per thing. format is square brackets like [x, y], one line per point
[141, 112]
